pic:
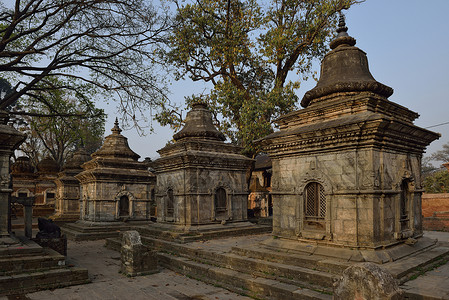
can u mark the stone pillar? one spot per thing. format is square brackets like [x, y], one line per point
[10, 140]
[136, 258]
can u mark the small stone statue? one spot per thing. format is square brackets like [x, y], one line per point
[47, 229]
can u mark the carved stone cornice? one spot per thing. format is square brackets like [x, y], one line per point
[365, 130]
[194, 159]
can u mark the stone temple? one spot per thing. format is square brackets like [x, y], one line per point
[115, 186]
[68, 190]
[346, 168]
[200, 179]
[116, 190]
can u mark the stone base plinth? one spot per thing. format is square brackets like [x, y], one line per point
[185, 234]
[57, 244]
[65, 218]
[27, 267]
[379, 255]
[86, 230]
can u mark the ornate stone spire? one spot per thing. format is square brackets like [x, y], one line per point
[345, 69]
[116, 129]
[116, 146]
[199, 125]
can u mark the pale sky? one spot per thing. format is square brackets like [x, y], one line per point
[406, 42]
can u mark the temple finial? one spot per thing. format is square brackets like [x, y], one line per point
[342, 29]
[342, 37]
[116, 129]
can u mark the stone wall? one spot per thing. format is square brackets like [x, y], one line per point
[362, 190]
[101, 201]
[197, 186]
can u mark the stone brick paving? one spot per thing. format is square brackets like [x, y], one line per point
[104, 264]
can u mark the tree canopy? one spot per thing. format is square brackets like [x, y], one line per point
[109, 44]
[437, 182]
[246, 49]
[61, 135]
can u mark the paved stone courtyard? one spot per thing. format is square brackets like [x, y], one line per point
[104, 265]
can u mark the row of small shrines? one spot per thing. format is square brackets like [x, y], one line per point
[112, 185]
[346, 168]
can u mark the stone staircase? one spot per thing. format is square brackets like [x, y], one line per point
[255, 277]
[26, 267]
[264, 272]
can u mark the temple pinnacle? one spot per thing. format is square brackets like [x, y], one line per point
[116, 129]
[342, 29]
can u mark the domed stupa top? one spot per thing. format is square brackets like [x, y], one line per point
[47, 165]
[345, 69]
[116, 146]
[199, 125]
[22, 165]
[78, 158]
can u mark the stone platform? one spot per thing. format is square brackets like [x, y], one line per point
[253, 266]
[26, 267]
[185, 234]
[86, 230]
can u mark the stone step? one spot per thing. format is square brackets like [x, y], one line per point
[243, 283]
[315, 262]
[82, 230]
[408, 267]
[283, 272]
[75, 235]
[14, 264]
[40, 280]
[190, 236]
[290, 274]
[19, 246]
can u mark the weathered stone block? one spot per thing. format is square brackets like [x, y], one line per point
[367, 281]
[136, 258]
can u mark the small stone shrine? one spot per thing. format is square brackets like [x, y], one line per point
[200, 179]
[116, 191]
[23, 177]
[347, 167]
[115, 186]
[47, 172]
[67, 206]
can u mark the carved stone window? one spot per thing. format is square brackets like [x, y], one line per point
[124, 206]
[220, 201]
[170, 204]
[314, 205]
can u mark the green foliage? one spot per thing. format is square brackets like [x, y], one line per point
[441, 155]
[437, 182]
[246, 48]
[81, 125]
[109, 44]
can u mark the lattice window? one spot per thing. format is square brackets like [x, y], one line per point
[315, 201]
